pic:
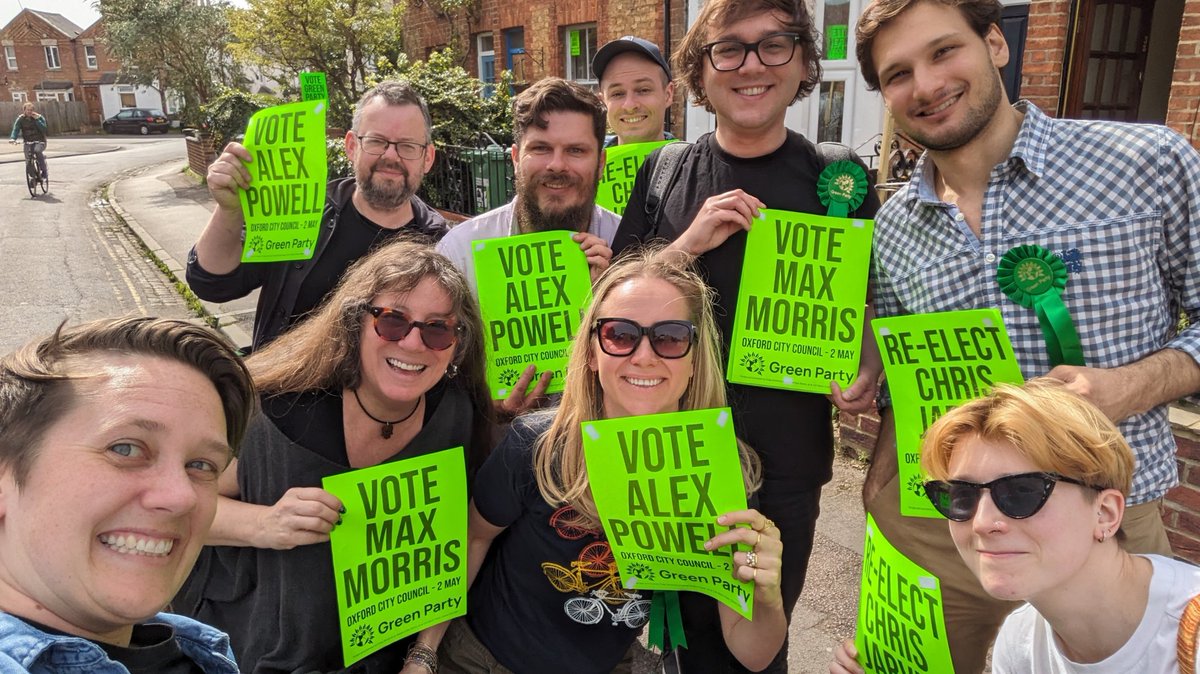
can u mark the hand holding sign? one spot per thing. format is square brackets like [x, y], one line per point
[303, 516]
[228, 175]
[597, 251]
[719, 218]
[762, 540]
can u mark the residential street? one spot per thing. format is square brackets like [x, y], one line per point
[72, 255]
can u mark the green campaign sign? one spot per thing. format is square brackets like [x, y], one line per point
[532, 290]
[835, 42]
[283, 204]
[660, 481]
[574, 43]
[621, 165]
[800, 305]
[901, 627]
[312, 87]
[399, 555]
[934, 362]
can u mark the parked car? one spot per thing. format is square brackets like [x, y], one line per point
[137, 120]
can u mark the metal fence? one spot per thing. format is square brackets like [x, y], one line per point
[61, 116]
[469, 180]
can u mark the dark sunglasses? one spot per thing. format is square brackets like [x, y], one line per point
[1017, 496]
[621, 336]
[394, 326]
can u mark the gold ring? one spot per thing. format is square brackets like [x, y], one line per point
[757, 540]
[768, 525]
[752, 559]
[754, 578]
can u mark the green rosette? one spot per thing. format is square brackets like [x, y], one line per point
[1034, 278]
[842, 187]
[665, 616]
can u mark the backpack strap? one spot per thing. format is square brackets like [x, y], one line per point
[1185, 640]
[662, 178]
[831, 152]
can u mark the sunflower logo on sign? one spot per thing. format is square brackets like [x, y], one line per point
[916, 485]
[509, 377]
[753, 362]
[255, 245]
[363, 636]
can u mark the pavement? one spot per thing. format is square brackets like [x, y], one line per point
[64, 146]
[168, 208]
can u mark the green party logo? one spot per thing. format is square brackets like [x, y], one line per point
[363, 636]
[1033, 275]
[636, 571]
[256, 245]
[509, 377]
[916, 485]
[753, 362]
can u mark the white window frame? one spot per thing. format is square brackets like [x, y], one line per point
[53, 58]
[481, 52]
[10, 56]
[20, 96]
[569, 61]
[89, 53]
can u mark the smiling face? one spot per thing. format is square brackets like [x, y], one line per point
[1021, 559]
[557, 169]
[395, 374]
[386, 181]
[118, 500]
[642, 382]
[938, 77]
[638, 96]
[753, 98]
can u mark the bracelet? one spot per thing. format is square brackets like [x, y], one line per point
[422, 655]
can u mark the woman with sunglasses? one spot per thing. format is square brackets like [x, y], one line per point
[389, 367]
[1033, 480]
[646, 345]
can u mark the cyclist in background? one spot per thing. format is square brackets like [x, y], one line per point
[31, 126]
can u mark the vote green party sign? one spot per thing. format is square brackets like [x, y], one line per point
[621, 165]
[532, 290]
[283, 204]
[901, 627]
[800, 305]
[660, 481]
[399, 555]
[934, 362]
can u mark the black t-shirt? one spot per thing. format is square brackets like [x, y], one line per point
[152, 649]
[356, 236]
[313, 419]
[548, 597]
[797, 454]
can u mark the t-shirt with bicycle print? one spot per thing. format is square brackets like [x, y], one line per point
[548, 597]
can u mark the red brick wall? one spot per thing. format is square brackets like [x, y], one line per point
[1181, 512]
[1183, 110]
[1045, 52]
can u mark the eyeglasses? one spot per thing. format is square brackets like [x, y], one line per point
[1017, 496]
[394, 326]
[621, 337]
[776, 49]
[378, 146]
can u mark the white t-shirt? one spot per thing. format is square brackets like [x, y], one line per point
[499, 222]
[1026, 643]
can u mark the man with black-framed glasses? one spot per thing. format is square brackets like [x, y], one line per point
[390, 147]
[747, 62]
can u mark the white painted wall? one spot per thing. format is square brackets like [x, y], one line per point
[144, 96]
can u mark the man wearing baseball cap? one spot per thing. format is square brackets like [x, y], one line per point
[635, 83]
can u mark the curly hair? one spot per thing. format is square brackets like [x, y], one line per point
[688, 60]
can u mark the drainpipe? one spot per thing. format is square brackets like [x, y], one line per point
[667, 50]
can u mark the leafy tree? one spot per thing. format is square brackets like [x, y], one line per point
[179, 43]
[230, 111]
[342, 38]
[460, 111]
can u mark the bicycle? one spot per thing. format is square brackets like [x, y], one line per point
[34, 179]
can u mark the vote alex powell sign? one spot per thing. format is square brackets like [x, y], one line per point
[532, 290]
[660, 481]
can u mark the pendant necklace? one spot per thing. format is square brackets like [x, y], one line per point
[386, 431]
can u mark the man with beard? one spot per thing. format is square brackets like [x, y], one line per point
[558, 133]
[1113, 206]
[390, 147]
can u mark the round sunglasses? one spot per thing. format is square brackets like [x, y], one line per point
[393, 326]
[621, 336]
[1017, 496]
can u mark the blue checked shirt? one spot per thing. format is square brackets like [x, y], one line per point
[1119, 203]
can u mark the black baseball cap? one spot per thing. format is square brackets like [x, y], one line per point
[624, 44]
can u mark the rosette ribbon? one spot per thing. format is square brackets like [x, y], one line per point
[1034, 278]
[664, 613]
[842, 187]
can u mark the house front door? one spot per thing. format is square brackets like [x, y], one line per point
[1108, 59]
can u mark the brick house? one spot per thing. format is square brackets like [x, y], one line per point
[536, 39]
[44, 56]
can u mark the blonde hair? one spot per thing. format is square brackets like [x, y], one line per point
[1057, 430]
[558, 458]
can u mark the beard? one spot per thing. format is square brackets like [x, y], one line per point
[385, 195]
[977, 119]
[537, 217]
